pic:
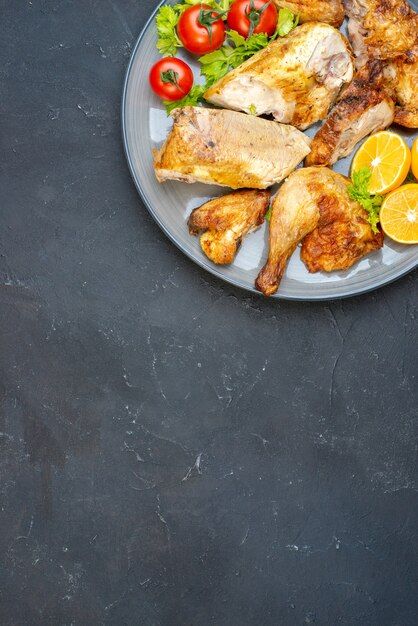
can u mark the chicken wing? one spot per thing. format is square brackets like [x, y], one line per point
[296, 79]
[382, 29]
[315, 200]
[227, 221]
[228, 149]
[363, 109]
[328, 11]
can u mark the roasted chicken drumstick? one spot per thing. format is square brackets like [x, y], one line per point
[295, 213]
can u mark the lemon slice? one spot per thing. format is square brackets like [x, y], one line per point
[388, 157]
[399, 214]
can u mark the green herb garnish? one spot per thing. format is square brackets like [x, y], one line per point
[221, 7]
[252, 109]
[168, 40]
[286, 22]
[218, 63]
[359, 190]
[193, 98]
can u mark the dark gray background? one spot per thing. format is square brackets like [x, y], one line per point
[174, 451]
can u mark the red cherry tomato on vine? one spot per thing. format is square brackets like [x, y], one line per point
[252, 16]
[171, 78]
[200, 29]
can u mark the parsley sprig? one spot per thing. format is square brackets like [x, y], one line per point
[193, 98]
[168, 40]
[286, 22]
[221, 7]
[218, 63]
[359, 190]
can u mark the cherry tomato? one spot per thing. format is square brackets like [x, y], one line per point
[252, 16]
[200, 29]
[171, 78]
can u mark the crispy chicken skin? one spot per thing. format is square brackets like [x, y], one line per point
[388, 30]
[402, 83]
[296, 78]
[227, 221]
[364, 108]
[343, 235]
[315, 200]
[228, 149]
[328, 11]
[382, 29]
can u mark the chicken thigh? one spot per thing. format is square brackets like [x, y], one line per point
[343, 234]
[313, 204]
[296, 78]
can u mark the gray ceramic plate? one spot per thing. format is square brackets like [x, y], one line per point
[145, 126]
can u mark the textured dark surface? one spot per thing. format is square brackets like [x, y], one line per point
[174, 451]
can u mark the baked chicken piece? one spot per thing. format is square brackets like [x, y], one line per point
[295, 213]
[388, 30]
[296, 78]
[328, 11]
[402, 83]
[228, 149]
[343, 235]
[382, 29]
[227, 221]
[363, 109]
[315, 200]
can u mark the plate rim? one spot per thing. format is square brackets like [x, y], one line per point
[200, 262]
